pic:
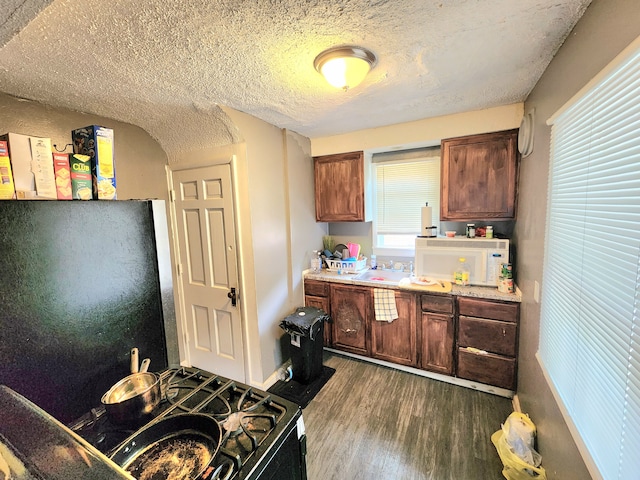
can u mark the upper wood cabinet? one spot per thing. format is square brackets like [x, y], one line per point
[340, 187]
[479, 177]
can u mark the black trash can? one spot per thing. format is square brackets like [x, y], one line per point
[306, 328]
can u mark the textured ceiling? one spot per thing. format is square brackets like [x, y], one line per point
[168, 65]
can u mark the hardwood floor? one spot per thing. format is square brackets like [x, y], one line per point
[371, 422]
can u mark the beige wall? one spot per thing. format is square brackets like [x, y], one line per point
[281, 206]
[607, 27]
[427, 132]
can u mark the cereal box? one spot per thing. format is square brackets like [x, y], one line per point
[97, 143]
[32, 166]
[7, 191]
[80, 173]
[63, 175]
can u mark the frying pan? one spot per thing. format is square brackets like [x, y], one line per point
[178, 447]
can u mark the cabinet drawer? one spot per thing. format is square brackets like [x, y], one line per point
[436, 303]
[490, 335]
[487, 368]
[316, 288]
[474, 307]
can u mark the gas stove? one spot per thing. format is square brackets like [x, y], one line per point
[262, 434]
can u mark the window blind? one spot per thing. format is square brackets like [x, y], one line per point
[405, 181]
[589, 313]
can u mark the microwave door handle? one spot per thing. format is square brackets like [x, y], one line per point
[485, 261]
[483, 267]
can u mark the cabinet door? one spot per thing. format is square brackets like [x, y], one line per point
[437, 342]
[479, 177]
[339, 187]
[349, 312]
[396, 341]
[323, 304]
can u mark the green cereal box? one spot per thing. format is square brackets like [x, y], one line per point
[97, 143]
[81, 182]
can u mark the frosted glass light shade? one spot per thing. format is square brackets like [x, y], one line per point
[345, 67]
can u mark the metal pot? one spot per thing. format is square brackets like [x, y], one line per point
[133, 397]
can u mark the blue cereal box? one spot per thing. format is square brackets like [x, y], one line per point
[97, 143]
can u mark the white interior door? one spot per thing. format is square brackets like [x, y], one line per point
[207, 248]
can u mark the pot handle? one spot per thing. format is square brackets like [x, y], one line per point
[144, 366]
[134, 360]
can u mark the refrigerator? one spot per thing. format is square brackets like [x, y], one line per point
[81, 284]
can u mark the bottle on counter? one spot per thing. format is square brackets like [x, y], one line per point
[461, 275]
[489, 232]
[471, 230]
[316, 261]
[374, 262]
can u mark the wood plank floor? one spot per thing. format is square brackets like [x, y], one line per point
[372, 422]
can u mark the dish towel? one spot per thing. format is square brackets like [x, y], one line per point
[384, 302]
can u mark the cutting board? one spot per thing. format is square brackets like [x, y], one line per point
[443, 287]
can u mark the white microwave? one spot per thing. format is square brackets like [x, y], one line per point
[438, 258]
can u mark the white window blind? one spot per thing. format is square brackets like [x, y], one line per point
[589, 314]
[405, 182]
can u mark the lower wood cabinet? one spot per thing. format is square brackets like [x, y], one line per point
[438, 328]
[396, 341]
[471, 338]
[350, 313]
[488, 341]
[316, 294]
[487, 368]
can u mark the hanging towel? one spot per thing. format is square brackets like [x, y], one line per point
[384, 302]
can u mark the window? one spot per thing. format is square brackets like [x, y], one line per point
[404, 182]
[589, 330]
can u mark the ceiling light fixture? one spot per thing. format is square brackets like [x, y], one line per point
[345, 66]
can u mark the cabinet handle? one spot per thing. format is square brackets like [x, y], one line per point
[504, 332]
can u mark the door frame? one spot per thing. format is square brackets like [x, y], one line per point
[181, 317]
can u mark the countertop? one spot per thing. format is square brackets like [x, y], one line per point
[490, 293]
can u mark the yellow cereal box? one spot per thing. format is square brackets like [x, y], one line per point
[7, 190]
[63, 175]
[97, 142]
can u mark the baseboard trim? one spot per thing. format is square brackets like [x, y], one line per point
[501, 392]
[516, 403]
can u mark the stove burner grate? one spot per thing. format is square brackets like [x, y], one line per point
[246, 416]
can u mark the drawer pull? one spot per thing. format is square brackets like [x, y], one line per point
[504, 332]
[476, 350]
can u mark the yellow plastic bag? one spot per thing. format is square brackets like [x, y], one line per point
[520, 431]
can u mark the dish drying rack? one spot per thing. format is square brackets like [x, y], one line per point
[347, 266]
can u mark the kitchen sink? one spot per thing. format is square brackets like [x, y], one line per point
[385, 276]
